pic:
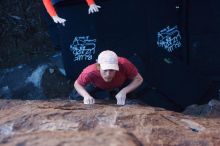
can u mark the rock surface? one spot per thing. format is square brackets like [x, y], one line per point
[67, 123]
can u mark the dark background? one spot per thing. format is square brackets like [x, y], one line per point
[128, 27]
[24, 36]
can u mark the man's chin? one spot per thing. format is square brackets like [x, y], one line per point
[108, 80]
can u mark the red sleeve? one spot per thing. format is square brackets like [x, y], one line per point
[89, 2]
[129, 68]
[83, 79]
[50, 8]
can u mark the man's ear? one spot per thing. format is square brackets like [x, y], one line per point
[98, 66]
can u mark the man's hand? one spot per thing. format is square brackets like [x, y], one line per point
[57, 19]
[89, 100]
[121, 97]
[94, 8]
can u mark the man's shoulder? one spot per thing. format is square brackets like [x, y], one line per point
[122, 60]
[125, 64]
[90, 68]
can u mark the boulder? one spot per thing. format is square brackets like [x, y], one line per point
[63, 122]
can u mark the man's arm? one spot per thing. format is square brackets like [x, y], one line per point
[88, 99]
[50, 8]
[136, 82]
[52, 12]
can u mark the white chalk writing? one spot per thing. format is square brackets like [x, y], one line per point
[169, 38]
[83, 48]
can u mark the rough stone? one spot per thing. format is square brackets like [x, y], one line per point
[63, 122]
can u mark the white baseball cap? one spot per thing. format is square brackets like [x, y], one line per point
[108, 60]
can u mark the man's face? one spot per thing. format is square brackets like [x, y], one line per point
[108, 74]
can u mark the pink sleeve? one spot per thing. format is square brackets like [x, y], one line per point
[83, 79]
[89, 2]
[49, 7]
[51, 10]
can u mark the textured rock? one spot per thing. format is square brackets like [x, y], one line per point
[212, 109]
[61, 122]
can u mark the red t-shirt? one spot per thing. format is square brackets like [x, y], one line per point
[91, 75]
